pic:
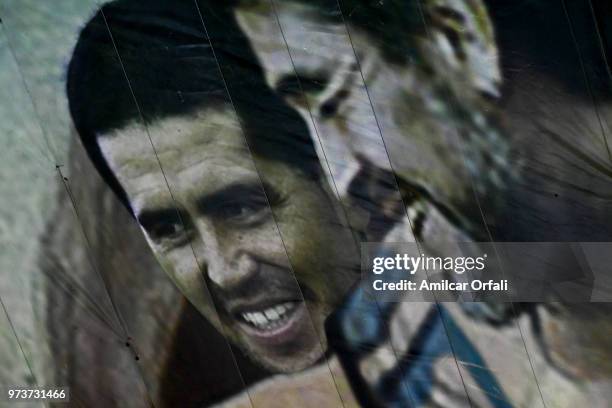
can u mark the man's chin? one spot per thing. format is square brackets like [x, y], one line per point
[288, 346]
[287, 364]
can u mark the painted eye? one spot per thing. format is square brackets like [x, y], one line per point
[166, 230]
[243, 212]
[164, 226]
[292, 85]
[242, 205]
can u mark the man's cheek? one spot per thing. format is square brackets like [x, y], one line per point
[181, 269]
[310, 258]
[267, 242]
[180, 266]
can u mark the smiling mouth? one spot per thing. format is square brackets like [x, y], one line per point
[274, 323]
[270, 318]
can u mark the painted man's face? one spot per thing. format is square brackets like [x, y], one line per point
[427, 106]
[216, 237]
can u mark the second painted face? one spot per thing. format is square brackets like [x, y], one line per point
[255, 245]
[420, 115]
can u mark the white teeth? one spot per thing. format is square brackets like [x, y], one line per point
[260, 318]
[272, 314]
[270, 317]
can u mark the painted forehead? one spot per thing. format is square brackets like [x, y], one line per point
[132, 148]
[204, 149]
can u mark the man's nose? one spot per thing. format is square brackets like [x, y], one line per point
[232, 270]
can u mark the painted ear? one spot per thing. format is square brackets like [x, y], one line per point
[463, 40]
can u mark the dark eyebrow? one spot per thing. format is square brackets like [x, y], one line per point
[150, 217]
[294, 85]
[235, 193]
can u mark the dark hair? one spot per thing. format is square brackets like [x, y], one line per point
[392, 25]
[164, 49]
[566, 41]
[537, 33]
